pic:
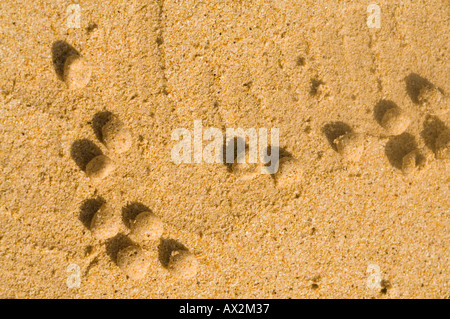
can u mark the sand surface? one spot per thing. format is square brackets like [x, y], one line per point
[313, 69]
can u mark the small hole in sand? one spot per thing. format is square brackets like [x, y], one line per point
[88, 209]
[83, 151]
[334, 130]
[399, 146]
[98, 121]
[414, 84]
[88, 250]
[432, 127]
[166, 248]
[314, 88]
[61, 50]
[248, 85]
[91, 27]
[385, 285]
[300, 61]
[381, 108]
[131, 210]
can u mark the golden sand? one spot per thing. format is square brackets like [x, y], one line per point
[321, 227]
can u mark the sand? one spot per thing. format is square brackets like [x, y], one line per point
[322, 227]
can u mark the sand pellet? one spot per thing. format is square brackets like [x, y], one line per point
[395, 121]
[105, 223]
[443, 145]
[183, 264]
[146, 227]
[350, 146]
[133, 261]
[99, 167]
[77, 72]
[116, 135]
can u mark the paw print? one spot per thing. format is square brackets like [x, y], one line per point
[401, 149]
[128, 236]
[113, 134]
[288, 172]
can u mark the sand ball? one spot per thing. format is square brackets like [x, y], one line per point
[350, 146]
[99, 167]
[116, 136]
[77, 72]
[395, 121]
[183, 264]
[443, 145]
[133, 261]
[146, 227]
[105, 223]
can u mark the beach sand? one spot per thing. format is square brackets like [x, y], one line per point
[313, 69]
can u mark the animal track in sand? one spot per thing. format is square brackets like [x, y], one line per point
[443, 145]
[346, 142]
[401, 149]
[133, 260]
[288, 172]
[183, 264]
[126, 237]
[70, 66]
[395, 121]
[350, 146]
[427, 96]
[116, 136]
[128, 248]
[77, 72]
[391, 117]
[146, 227]
[105, 223]
[412, 161]
[99, 167]
[103, 220]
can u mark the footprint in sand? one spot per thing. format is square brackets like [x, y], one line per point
[287, 169]
[129, 238]
[401, 149]
[427, 96]
[113, 134]
[70, 66]
[345, 141]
